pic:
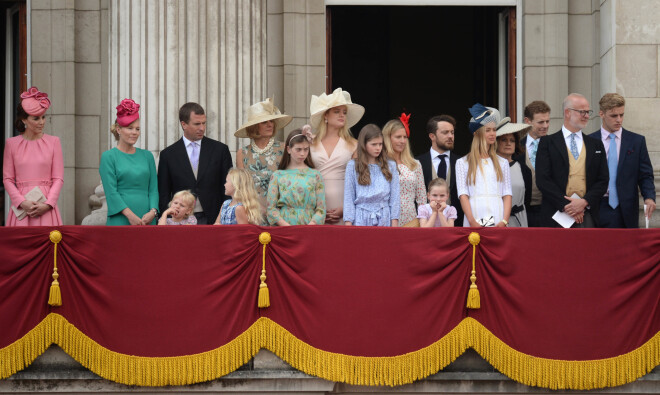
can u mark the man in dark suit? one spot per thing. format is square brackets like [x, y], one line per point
[197, 163]
[439, 161]
[629, 167]
[567, 163]
[537, 114]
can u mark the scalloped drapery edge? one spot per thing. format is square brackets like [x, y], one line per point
[357, 370]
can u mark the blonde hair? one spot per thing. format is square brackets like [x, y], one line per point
[479, 148]
[406, 156]
[610, 101]
[322, 130]
[438, 182]
[114, 129]
[187, 197]
[246, 194]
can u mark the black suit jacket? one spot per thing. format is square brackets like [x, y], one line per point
[552, 175]
[175, 174]
[427, 164]
[634, 170]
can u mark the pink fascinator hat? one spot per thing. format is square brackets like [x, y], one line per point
[35, 103]
[127, 112]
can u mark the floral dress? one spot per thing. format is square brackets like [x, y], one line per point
[412, 189]
[228, 213]
[296, 196]
[261, 163]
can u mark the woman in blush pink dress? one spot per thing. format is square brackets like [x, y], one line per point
[333, 145]
[411, 178]
[33, 159]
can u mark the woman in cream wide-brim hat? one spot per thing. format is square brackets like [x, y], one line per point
[333, 145]
[508, 147]
[264, 153]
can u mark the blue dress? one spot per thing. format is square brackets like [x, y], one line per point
[228, 213]
[376, 204]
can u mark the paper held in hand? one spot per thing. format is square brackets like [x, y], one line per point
[35, 195]
[564, 219]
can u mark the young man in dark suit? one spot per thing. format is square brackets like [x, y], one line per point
[537, 114]
[197, 163]
[629, 167]
[439, 161]
[567, 162]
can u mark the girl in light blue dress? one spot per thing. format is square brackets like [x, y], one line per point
[244, 206]
[371, 186]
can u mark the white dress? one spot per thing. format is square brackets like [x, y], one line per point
[486, 193]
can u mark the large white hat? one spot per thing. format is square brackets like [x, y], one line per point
[320, 104]
[261, 112]
[510, 127]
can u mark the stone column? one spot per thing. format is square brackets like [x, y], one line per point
[166, 53]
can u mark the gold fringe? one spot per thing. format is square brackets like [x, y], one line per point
[560, 374]
[473, 298]
[55, 295]
[392, 371]
[263, 300]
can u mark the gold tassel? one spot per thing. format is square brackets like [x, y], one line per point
[55, 296]
[473, 299]
[264, 296]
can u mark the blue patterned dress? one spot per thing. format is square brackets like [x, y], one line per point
[228, 213]
[376, 204]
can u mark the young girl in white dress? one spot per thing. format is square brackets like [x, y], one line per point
[180, 209]
[482, 178]
[437, 213]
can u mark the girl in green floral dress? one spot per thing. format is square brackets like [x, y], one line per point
[296, 195]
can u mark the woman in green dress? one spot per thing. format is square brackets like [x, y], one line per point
[296, 195]
[129, 173]
[263, 155]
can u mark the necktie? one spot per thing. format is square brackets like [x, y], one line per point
[532, 154]
[612, 161]
[574, 150]
[442, 167]
[194, 156]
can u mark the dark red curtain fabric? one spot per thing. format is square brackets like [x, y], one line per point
[367, 291]
[570, 294]
[169, 291]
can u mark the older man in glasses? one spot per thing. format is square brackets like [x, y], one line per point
[569, 164]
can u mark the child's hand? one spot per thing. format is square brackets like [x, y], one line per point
[434, 205]
[442, 206]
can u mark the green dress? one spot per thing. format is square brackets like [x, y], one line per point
[297, 196]
[261, 163]
[129, 180]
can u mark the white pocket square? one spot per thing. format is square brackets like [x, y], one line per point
[598, 152]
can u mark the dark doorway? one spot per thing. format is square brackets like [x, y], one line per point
[422, 60]
[13, 59]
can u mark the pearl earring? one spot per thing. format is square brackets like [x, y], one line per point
[326, 120]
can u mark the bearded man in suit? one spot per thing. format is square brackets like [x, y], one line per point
[197, 163]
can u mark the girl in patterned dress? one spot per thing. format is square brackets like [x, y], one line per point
[296, 194]
[243, 207]
[180, 209]
[371, 187]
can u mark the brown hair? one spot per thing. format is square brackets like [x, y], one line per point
[21, 115]
[252, 131]
[368, 133]
[187, 109]
[438, 182]
[536, 107]
[610, 101]
[516, 136]
[432, 124]
[295, 137]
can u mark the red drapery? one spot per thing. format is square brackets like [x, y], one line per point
[360, 293]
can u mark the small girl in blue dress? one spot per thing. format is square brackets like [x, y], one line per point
[371, 186]
[243, 207]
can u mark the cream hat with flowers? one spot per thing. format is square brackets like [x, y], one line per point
[261, 112]
[320, 104]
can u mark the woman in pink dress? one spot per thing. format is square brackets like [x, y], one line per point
[32, 160]
[333, 145]
[411, 178]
